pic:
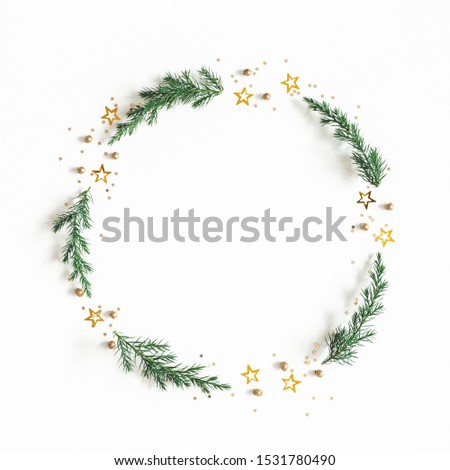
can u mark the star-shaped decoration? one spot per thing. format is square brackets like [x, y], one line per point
[291, 83]
[251, 374]
[366, 199]
[109, 113]
[290, 383]
[101, 174]
[385, 236]
[94, 317]
[243, 96]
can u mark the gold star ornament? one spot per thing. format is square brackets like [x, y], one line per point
[385, 236]
[111, 115]
[251, 375]
[94, 317]
[366, 199]
[243, 96]
[291, 83]
[101, 174]
[290, 383]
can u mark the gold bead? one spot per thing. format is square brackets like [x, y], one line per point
[266, 96]
[81, 169]
[111, 344]
[247, 72]
[113, 314]
[257, 392]
[88, 139]
[318, 373]
[115, 155]
[364, 226]
[389, 206]
[284, 365]
[79, 292]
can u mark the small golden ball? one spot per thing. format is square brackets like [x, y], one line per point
[113, 314]
[389, 206]
[81, 169]
[111, 344]
[115, 155]
[247, 72]
[284, 365]
[318, 373]
[79, 292]
[364, 226]
[257, 392]
[266, 96]
[88, 139]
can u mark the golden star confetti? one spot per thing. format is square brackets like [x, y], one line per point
[385, 236]
[109, 113]
[251, 374]
[291, 83]
[366, 199]
[94, 317]
[243, 96]
[291, 383]
[101, 174]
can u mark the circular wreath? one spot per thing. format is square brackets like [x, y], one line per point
[154, 358]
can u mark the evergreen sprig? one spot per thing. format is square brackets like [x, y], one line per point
[344, 341]
[76, 220]
[174, 89]
[156, 362]
[370, 165]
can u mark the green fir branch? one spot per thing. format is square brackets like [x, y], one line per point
[156, 362]
[76, 220]
[370, 165]
[344, 341]
[174, 89]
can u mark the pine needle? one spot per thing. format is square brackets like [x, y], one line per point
[174, 89]
[344, 341]
[157, 363]
[370, 165]
[76, 220]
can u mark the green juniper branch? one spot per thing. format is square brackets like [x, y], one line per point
[155, 361]
[344, 341]
[76, 220]
[370, 165]
[173, 89]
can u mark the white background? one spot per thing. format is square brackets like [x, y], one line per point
[236, 304]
